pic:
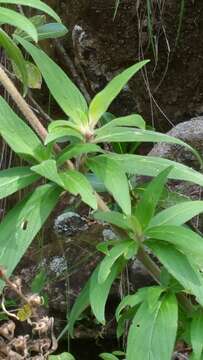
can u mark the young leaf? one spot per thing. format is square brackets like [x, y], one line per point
[15, 54]
[13, 18]
[148, 203]
[152, 166]
[66, 94]
[32, 211]
[196, 336]
[75, 150]
[186, 240]
[104, 98]
[114, 218]
[19, 135]
[178, 214]
[113, 178]
[59, 133]
[37, 4]
[49, 170]
[14, 179]
[131, 300]
[99, 292]
[149, 337]
[123, 134]
[130, 120]
[113, 254]
[76, 183]
[179, 266]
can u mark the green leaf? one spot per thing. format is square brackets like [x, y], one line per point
[34, 79]
[71, 180]
[39, 282]
[196, 335]
[76, 183]
[49, 170]
[186, 240]
[148, 203]
[114, 180]
[32, 212]
[110, 259]
[51, 31]
[178, 214]
[107, 356]
[63, 356]
[179, 266]
[37, 4]
[99, 292]
[14, 179]
[66, 94]
[81, 303]
[123, 134]
[104, 98]
[149, 337]
[114, 218]
[75, 150]
[19, 135]
[131, 301]
[13, 18]
[130, 120]
[59, 133]
[16, 55]
[152, 166]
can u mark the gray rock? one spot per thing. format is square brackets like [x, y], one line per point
[190, 132]
[69, 223]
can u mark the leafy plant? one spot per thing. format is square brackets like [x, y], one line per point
[142, 228]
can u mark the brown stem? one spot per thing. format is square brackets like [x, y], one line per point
[26, 110]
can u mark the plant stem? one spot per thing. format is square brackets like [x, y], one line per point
[35, 123]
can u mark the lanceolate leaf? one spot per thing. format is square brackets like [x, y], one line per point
[60, 133]
[13, 18]
[152, 334]
[131, 300]
[197, 336]
[179, 266]
[123, 134]
[113, 178]
[76, 183]
[37, 4]
[67, 95]
[147, 205]
[103, 99]
[114, 218]
[76, 150]
[178, 214]
[108, 261]
[15, 54]
[14, 179]
[49, 170]
[51, 31]
[99, 292]
[22, 223]
[186, 240]
[19, 135]
[130, 120]
[152, 166]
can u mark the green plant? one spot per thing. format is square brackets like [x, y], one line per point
[140, 228]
